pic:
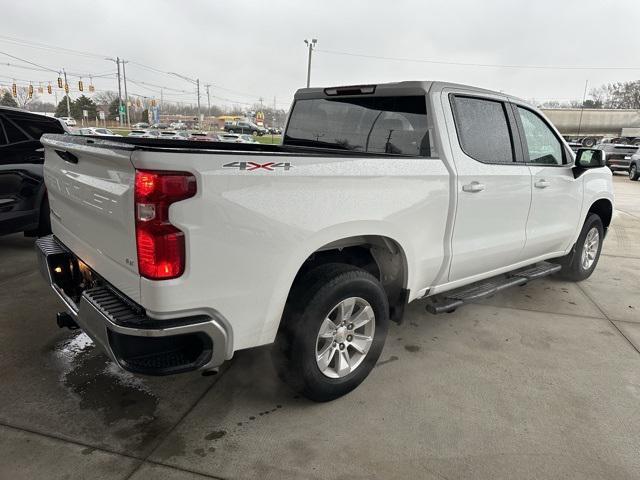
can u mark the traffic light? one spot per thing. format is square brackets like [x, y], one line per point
[30, 91]
[49, 89]
[80, 85]
[14, 90]
[66, 88]
[59, 82]
[153, 102]
[92, 88]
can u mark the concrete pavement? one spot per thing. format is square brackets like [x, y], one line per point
[537, 382]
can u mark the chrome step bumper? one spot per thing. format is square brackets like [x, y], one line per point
[133, 340]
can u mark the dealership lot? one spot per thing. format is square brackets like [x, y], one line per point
[541, 381]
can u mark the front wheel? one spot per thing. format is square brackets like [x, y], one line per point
[633, 172]
[581, 264]
[333, 331]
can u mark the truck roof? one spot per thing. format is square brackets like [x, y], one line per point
[411, 87]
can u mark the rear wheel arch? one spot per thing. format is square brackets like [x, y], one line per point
[381, 256]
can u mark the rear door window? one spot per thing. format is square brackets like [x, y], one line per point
[483, 129]
[14, 134]
[391, 125]
[35, 127]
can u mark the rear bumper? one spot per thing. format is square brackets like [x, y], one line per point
[133, 340]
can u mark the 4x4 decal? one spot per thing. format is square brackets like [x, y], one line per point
[252, 166]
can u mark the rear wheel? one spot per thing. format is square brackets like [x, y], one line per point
[633, 172]
[333, 331]
[582, 262]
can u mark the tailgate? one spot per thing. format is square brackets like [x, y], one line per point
[90, 186]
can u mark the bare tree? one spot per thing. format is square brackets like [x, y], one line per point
[105, 97]
[23, 99]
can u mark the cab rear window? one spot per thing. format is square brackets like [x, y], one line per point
[387, 125]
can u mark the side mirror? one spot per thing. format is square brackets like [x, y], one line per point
[590, 158]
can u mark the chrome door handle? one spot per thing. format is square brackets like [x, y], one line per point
[473, 187]
[542, 184]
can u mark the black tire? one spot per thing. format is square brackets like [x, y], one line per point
[312, 299]
[44, 226]
[231, 131]
[634, 174]
[589, 142]
[572, 268]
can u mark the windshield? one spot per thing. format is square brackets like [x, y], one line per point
[396, 125]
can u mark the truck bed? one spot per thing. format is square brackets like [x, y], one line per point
[152, 144]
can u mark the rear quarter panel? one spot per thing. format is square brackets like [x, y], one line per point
[248, 232]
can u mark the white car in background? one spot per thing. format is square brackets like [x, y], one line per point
[69, 121]
[97, 131]
[237, 138]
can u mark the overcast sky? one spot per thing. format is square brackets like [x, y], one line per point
[249, 49]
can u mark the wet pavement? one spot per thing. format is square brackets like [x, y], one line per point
[541, 381]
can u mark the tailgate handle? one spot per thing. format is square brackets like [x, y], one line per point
[67, 156]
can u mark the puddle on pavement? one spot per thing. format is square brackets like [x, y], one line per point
[123, 401]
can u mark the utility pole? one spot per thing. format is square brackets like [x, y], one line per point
[310, 45]
[67, 93]
[126, 96]
[208, 101]
[198, 88]
[120, 116]
[195, 82]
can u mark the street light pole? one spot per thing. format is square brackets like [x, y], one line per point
[311, 45]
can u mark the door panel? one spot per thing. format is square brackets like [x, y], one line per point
[494, 195]
[556, 195]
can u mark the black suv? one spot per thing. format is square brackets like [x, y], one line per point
[618, 157]
[23, 198]
[244, 127]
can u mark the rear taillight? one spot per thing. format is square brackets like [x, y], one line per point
[160, 245]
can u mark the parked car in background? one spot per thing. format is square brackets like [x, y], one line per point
[248, 139]
[160, 126]
[236, 138]
[574, 146]
[203, 137]
[98, 131]
[170, 134]
[178, 126]
[140, 125]
[24, 206]
[137, 133]
[618, 157]
[244, 127]
[634, 166]
[69, 121]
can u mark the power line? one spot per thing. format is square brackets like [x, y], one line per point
[470, 64]
[43, 46]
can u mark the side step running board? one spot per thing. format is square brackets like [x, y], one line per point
[449, 301]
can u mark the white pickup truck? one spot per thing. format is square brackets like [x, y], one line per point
[172, 256]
